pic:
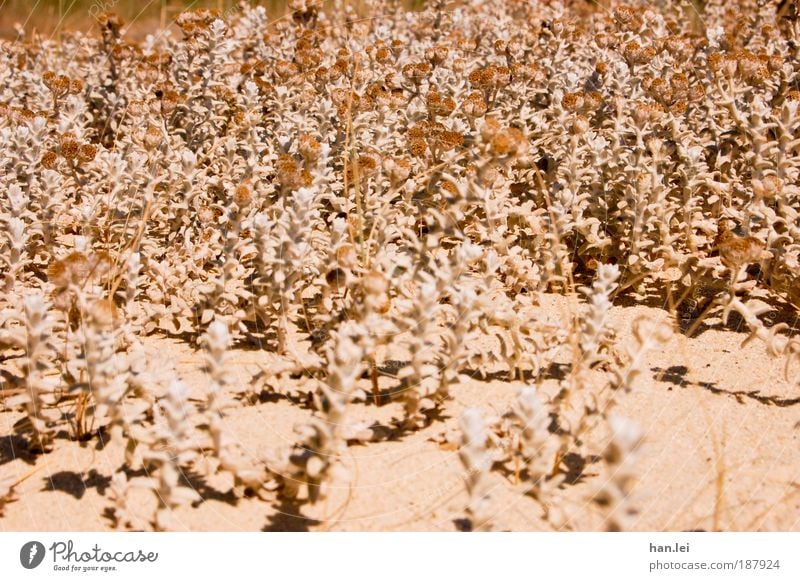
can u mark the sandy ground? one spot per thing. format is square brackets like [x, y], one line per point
[721, 452]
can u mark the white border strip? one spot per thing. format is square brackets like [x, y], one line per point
[401, 556]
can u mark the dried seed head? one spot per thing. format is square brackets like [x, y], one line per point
[418, 131]
[417, 72]
[70, 148]
[438, 105]
[647, 112]
[242, 196]
[87, 153]
[417, 147]
[474, 105]
[49, 160]
[580, 125]
[448, 140]
[635, 54]
[48, 78]
[572, 101]
[680, 85]
[382, 54]
[61, 85]
[476, 78]
[661, 91]
[152, 138]
[625, 16]
[367, 165]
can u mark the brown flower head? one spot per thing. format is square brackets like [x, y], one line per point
[49, 160]
[86, 153]
[70, 148]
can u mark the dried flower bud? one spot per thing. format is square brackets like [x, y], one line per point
[242, 196]
[474, 105]
[61, 85]
[647, 113]
[572, 101]
[69, 148]
[625, 16]
[367, 165]
[417, 72]
[661, 91]
[448, 140]
[635, 54]
[48, 78]
[49, 160]
[580, 125]
[417, 147]
[152, 138]
[382, 54]
[87, 153]
[438, 105]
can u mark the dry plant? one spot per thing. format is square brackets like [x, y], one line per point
[378, 204]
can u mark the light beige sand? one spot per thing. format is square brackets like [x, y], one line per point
[721, 452]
